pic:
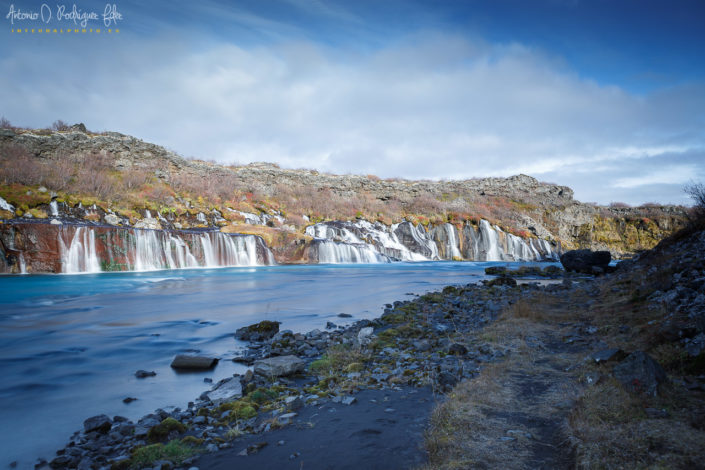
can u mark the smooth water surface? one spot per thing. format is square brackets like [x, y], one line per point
[70, 344]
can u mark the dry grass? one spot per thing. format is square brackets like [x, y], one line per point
[601, 425]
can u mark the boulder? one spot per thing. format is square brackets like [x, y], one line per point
[100, 423]
[183, 361]
[112, 219]
[586, 261]
[141, 374]
[640, 373]
[227, 390]
[279, 366]
[259, 331]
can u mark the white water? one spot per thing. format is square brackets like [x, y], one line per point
[150, 250]
[452, 249]
[488, 243]
[489, 240]
[23, 265]
[4, 205]
[224, 250]
[79, 255]
[330, 252]
[54, 208]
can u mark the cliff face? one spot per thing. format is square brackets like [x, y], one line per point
[118, 180]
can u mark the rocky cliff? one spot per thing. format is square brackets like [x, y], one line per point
[116, 180]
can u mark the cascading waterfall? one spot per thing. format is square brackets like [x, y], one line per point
[23, 264]
[149, 250]
[79, 255]
[331, 252]
[485, 243]
[54, 208]
[223, 250]
[489, 242]
[452, 249]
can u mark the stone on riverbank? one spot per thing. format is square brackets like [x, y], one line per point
[100, 423]
[226, 390]
[279, 366]
[640, 373]
[186, 362]
[586, 261]
[259, 331]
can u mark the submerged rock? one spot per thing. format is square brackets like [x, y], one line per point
[183, 361]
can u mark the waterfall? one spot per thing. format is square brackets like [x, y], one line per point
[336, 253]
[452, 250]
[54, 208]
[224, 250]
[489, 243]
[79, 255]
[23, 265]
[149, 250]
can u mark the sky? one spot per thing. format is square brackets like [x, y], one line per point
[604, 96]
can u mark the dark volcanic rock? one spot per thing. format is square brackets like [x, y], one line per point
[259, 331]
[141, 374]
[584, 261]
[640, 373]
[100, 423]
[183, 361]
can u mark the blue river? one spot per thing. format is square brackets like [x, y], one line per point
[70, 344]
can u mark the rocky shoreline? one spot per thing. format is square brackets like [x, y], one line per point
[550, 329]
[411, 345]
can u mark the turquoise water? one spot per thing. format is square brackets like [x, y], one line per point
[70, 344]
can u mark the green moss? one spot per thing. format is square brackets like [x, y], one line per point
[322, 365]
[174, 451]
[354, 367]
[162, 430]
[192, 441]
[262, 395]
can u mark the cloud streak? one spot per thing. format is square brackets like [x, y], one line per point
[427, 106]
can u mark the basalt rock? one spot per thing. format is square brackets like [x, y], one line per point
[586, 261]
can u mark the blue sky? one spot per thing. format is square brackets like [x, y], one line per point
[607, 97]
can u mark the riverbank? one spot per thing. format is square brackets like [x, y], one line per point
[583, 372]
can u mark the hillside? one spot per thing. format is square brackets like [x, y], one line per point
[119, 180]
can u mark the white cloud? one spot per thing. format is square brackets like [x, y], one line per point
[428, 107]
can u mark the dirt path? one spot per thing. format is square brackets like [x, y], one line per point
[383, 429]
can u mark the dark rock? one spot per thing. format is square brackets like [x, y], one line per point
[495, 270]
[100, 423]
[128, 399]
[331, 326]
[447, 381]
[186, 362]
[457, 349]
[640, 373]
[141, 374]
[583, 261]
[501, 281]
[259, 331]
[344, 315]
[605, 355]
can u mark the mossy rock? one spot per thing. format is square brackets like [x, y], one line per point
[162, 430]
[259, 331]
[495, 270]
[262, 395]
